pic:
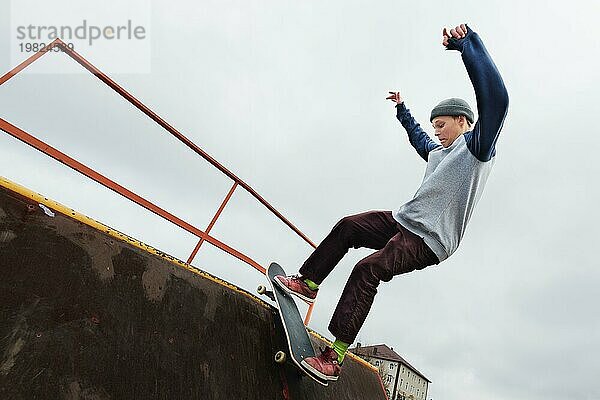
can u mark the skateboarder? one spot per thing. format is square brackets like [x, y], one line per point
[427, 229]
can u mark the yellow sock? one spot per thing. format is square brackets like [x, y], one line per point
[311, 284]
[341, 349]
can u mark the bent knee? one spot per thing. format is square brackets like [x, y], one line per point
[346, 222]
[371, 273]
[346, 228]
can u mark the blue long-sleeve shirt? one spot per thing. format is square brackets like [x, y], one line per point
[456, 175]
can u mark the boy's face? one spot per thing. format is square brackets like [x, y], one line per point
[448, 128]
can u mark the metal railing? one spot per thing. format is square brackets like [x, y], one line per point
[90, 173]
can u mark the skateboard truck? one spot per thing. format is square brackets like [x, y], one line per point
[262, 289]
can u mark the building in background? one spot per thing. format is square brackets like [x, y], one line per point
[402, 381]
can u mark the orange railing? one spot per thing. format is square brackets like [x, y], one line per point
[76, 165]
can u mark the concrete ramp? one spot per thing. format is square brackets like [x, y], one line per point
[89, 313]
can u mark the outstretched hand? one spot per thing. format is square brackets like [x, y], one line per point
[395, 97]
[458, 33]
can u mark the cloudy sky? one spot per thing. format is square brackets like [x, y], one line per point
[291, 97]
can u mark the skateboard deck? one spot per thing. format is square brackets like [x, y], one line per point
[299, 344]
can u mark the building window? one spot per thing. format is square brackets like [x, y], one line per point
[392, 366]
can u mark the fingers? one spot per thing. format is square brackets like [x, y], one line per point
[446, 36]
[394, 96]
[458, 32]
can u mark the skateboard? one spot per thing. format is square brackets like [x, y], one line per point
[299, 344]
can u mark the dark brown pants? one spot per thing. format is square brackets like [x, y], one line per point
[399, 251]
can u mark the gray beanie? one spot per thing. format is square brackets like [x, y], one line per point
[453, 107]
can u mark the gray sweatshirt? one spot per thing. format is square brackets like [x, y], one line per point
[455, 176]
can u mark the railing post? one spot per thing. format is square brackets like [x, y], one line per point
[212, 223]
[308, 314]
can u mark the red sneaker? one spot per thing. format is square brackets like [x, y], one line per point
[296, 286]
[325, 366]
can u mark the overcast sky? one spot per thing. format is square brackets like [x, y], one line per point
[291, 97]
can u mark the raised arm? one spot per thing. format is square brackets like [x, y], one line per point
[490, 92]
[419, 139]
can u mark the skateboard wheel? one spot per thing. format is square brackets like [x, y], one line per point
[280, 357]
[261, 289]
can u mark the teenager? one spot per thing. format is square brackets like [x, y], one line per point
[427, 229]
